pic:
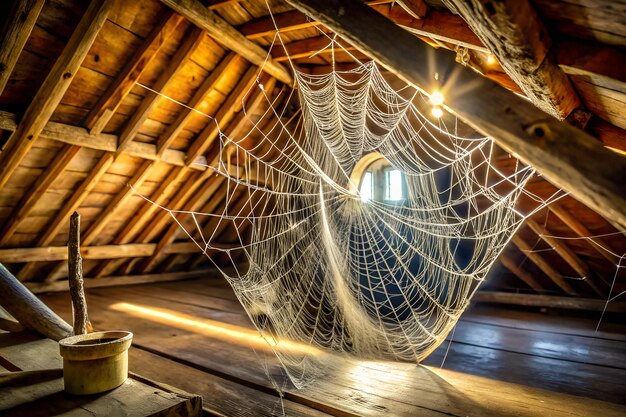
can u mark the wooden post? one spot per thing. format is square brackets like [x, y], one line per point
[19, 302]
[75, 277]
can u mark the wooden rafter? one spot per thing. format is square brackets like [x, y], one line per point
[28, 202]
[149, 102]
[567, 254]
[232, 60]
[519, 272]
[53, 88]
[515, 34]
[14, 35]
[554, 148]
[547, 269]
[228, 36]
[122, 85]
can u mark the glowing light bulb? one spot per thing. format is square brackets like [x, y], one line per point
[437, 112]
[436, 98]
[491, 60]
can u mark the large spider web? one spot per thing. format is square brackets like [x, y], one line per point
[324, 267]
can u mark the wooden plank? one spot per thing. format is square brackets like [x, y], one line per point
[28, 202]
[547, 269]
[554, 148]
[18, 25]
[523, 275]
[228, 36]
[184, 51]
[417, 8]
[108, 103]
[51, 92]
[224, 68]
[536, 300]
[59, 286]
[59, 253]
[515, 34]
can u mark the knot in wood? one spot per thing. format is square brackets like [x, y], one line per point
[541, 131]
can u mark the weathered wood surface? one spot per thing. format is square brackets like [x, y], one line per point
[365, 388]
[18, 301]
[536, 300]
[554, 148]
[75, 277]
[37, 388]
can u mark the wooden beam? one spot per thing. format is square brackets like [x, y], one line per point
[222, 118]
[75, 135]
[232, 60]
[567, 254]
[18, 25]
[53, 88]
[515, 34]
[34, 193]
[41, 287]
[554, 148]
[534, 300]
[522, 274]
[228, 36]
[304, 48]
[59, 253]
[547, 269]
[416, 8]
[184, 51]
[581, 230]
[124, 82]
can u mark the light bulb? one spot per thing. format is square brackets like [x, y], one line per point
[437, 112]
[436, 98]
[491, 60]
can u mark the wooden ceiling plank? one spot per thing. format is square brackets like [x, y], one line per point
[208, 192]
[75, 200]
[18, 26]
[227, 35]
[547, 269]
[417, 8]
[304, 48]
[53, 88]
[581, 230]
[184, 51]
[567, 254]
[554, 148]
[225, 114]
[208, 85]
[514, 33]
[124, 82]
[34, 193]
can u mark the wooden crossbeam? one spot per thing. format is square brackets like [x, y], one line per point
[227, 110]
[536, 300]
[59, 253]
[567, 254]
[34, 193]
[519, 272]
[53, 88]
[306, 47]
[515, 34]
[547, 269]
[232, 60]
[228, 36]
[581, 230]
[18, 26]
[554, 148]
[189, 45]
[417, 8]
[124, 82]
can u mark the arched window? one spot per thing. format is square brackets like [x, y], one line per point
[377, 180]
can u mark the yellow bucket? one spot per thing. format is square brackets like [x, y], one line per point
[95, 362]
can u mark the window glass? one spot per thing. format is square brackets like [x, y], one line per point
[394, 191]
[367, 187]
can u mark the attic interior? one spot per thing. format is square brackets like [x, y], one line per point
[313, 207]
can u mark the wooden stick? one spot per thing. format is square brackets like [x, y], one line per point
[75, 266]
[19, 302]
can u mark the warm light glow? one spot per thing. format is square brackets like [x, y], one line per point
[437, 112]
[491, 60]
[216, 329]
[436, 98]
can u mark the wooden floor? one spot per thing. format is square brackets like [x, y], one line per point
[195, 336]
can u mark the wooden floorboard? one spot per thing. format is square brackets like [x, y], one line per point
[179, 327]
